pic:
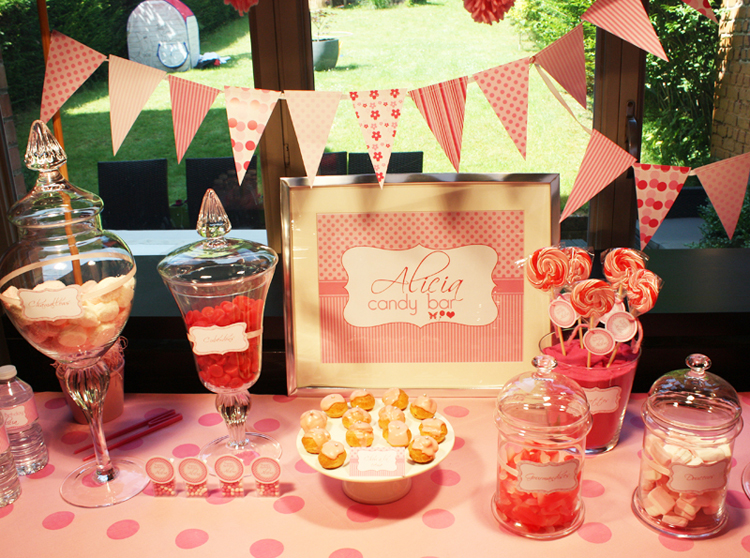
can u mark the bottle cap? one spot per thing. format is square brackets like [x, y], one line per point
[7, 372]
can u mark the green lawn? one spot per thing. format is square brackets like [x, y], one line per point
[405, 46]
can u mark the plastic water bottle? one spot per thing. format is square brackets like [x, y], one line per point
[10, 487]
[24, 432]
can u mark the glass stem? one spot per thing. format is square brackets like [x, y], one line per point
[87, 387]
[233, 408]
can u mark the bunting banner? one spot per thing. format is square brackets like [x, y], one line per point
[602, 162]
[248, 111]
[130, 86]
[312, 114]
[548, 82]
[703, 7]
[378, 112]
[69, 64]
[565, 61]
[443, 106]
[190, 104]
[628, 20]
[656, 188]
[506, 89]
[725, 183]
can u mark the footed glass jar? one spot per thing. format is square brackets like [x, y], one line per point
[542, 418]
[692, 418]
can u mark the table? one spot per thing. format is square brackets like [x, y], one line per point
[446, 514]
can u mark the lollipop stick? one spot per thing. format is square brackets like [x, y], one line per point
[562, 340]
[588, 353]
[614, 353]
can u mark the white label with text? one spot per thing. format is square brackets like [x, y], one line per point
[699, 479]
[51, 304]
[547, 477]
[219, 339]
[605, 400]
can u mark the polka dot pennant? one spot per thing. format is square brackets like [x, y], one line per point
[248, 111]
[378, 112]
[506, 88]
[190, 103]
[69, 64]
[565, 61]
[656, 187]
[703, 7]
[725, 183]
[312, 113]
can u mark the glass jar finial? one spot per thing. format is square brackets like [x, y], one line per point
[213, 221]
[43, 152]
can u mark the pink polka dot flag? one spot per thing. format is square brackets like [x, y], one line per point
[442, 106]
[248, 111]
[565, 61]
[656, 187]
[603, 161]
[69, 64]
[312, 114]
[506, 89]
[725, 182]
[190, 104]
[703, 7]
[378, 112]
[130, 86]
[628, 20]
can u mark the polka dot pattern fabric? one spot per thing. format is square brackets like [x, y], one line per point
[703, 7]
[656, 187]
[725, 183]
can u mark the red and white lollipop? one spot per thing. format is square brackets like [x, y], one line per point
[620, 263]
[547, 268]
[592, 299]
[642, 291]
[579, 264]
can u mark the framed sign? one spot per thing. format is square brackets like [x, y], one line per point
[417, 284]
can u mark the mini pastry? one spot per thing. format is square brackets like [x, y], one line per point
[423, 407]
[434, 428]
[397, 434]
[314, 439]
[362, 398]
[387, 414]
[396, 397]
[334, 405]
[422, 449]
[355, 414]
[332, 455]
[360, 435]
[313, 418]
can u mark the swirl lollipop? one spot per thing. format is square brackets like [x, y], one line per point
[579, 264]
[547, 268]
[619, 263]
[592, 299]
[642, 289]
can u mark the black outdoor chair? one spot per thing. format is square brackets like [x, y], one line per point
[400, 162]
[135, 194]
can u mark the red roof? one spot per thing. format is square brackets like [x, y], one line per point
[185, 12]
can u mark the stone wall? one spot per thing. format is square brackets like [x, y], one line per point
[730, 134]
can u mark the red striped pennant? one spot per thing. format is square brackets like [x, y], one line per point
[190, 104]
[565, 61]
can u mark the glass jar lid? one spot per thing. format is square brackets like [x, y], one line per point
[543, 402]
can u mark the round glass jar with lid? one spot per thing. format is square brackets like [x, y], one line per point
[542, 419]
[691, 418]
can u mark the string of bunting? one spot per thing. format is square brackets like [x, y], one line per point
[442, 106]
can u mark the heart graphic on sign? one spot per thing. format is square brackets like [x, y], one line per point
[450, 314]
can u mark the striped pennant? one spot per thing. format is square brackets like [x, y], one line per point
[130, 86]
[628, 20]
[190, 103]
[603, 161]
[565, 61]
[442, 106]
[725, 183]
[506, 88]
[703, 7]
[551, 86]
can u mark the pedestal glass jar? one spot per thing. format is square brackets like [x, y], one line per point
[68, 286]
[220, 285]
[542, 418]
[692, 418]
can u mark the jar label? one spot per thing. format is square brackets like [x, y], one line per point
[266, 469]
[51, 304]
[193, 470]
[547, 477]
[19, 417]
[687, 479]
[229, 468]
[160, 470]
[605, 400]
[219, 340]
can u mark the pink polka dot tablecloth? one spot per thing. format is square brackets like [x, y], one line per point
[446, 513]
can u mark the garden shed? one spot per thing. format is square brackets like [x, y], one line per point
[163, 34]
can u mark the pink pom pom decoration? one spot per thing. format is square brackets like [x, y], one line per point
[242, 6]
[488, 11]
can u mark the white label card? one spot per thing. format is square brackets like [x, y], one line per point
[219, 339]
[699, 479]
[603, 400]
[51, 304]
[547, 477]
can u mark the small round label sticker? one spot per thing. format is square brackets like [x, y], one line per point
[160, 469]
[618, 307]
[623, 326]
[229, 469]
[266, 469]
[561, 313]
[599, 341]
[193, 470]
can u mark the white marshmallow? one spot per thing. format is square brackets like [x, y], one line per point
[72, 337]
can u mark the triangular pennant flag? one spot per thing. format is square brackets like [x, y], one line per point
[565, 60]
[442, 106]
[506, 88]
[628, 20]
[377, 112]
[190, 104]
[656, 187]
[703, 7]
[69, 64]
[551, 86]
[312, 113]
[725, 182]
[248, 111]
[130, 86]
[602, 162]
